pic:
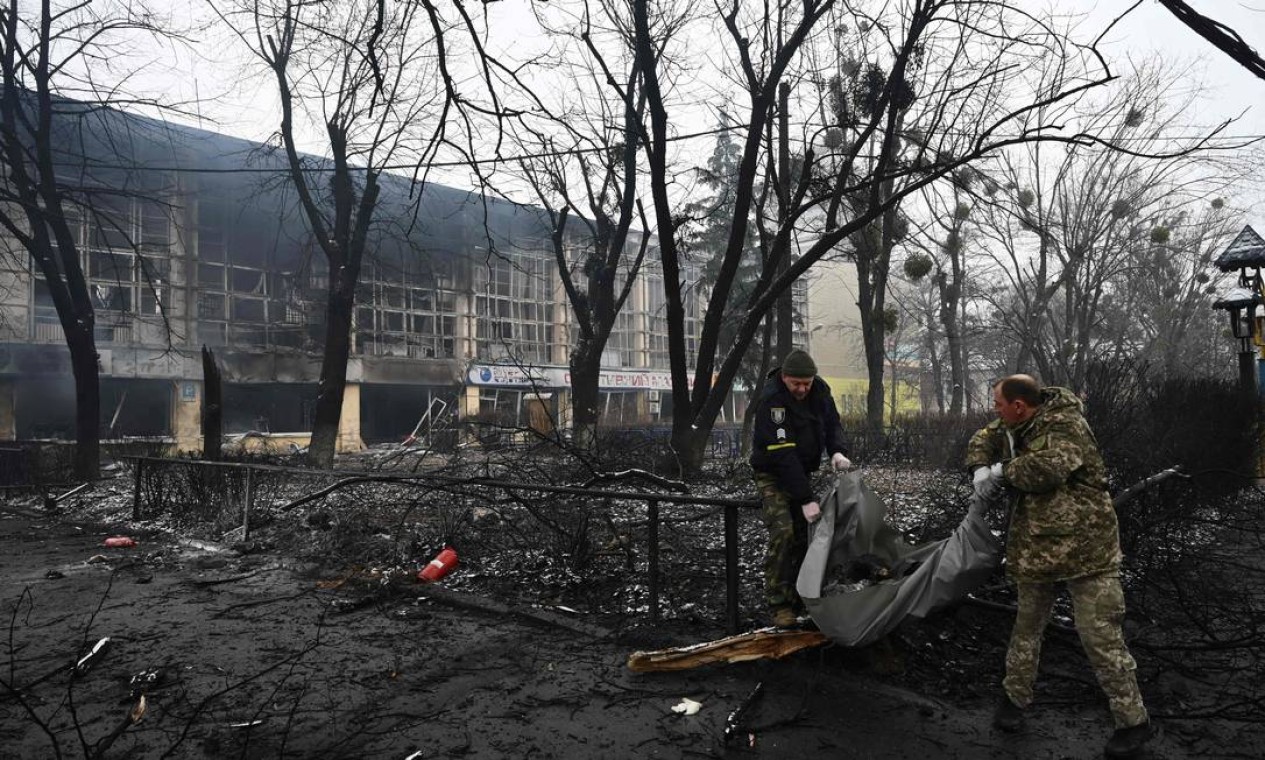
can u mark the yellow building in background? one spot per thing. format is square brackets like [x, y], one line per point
[834, 340]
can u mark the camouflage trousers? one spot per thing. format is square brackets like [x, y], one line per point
[1098, 606]
[788, 541]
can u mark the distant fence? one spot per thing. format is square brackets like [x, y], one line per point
[940, 446]
[588, 539]
[36, 463]
[724, 442]
[919, 444]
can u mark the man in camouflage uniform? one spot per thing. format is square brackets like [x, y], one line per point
[796, 420]
[1063, 529]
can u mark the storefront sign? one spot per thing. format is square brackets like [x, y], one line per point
[507, 374]
[560, 377]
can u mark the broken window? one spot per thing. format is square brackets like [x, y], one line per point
[212, 334]
[211, 276]
[397, 314]
[211, 306]
[248, 281]
[249, 310]
[512, 294]
[213, 225]
[110, 222]
[155, 221]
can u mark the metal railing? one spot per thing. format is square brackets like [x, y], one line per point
[930, 447]
[14, 467]
[225, 496]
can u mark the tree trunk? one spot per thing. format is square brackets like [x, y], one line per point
[333, 383]
[872, 289]
[874, 372]
[83, 362]
[957, 361]
[656, 150]
[782, 244]
[950, 317]
[212, 407]
[586, 369]
[872, 341]
[753, 401]
[937, 370]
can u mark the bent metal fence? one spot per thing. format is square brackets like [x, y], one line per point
[609, 552]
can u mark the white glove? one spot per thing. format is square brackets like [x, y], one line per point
[812, 511]
[840, 462]
[987, 480]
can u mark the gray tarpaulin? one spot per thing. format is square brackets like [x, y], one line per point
[923, 578]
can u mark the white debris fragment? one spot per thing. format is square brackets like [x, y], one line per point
[201, 546]
[687, 706]
[85, 662]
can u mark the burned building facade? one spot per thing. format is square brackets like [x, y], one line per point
[190, 238]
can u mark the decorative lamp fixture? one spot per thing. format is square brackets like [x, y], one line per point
[1241, 304]
[1246, 255]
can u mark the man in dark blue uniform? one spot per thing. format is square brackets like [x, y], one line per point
[796, 421]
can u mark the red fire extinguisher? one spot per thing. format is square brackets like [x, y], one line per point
[438, 567]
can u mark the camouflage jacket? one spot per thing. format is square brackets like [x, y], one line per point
[1064, 524]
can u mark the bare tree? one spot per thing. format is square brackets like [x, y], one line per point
[1161, 310]
[939, 86]
[585, 174]
[372, 76]
[1226, 39]
[63, 69]
[1068, 232]
[942, 254]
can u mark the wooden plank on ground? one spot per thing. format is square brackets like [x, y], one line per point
[765, 643]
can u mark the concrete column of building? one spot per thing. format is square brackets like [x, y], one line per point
[469, 403]
[468, 407]
[560, 350]
[638, 301]
[349, 421]
[184, 256]
[8, 412]
[186, 415]
[463, 341]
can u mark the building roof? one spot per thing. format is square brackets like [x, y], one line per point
[1247, 250]
[413, 221]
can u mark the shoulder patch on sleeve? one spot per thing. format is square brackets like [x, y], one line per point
[778, 413]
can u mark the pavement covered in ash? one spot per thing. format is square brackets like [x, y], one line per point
[248, 660]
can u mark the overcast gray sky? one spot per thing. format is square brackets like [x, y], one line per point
[1233, 92]
[246, 107]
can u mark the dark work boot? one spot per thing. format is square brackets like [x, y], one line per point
[1128, 742]
[1008, 717]
[784, 617]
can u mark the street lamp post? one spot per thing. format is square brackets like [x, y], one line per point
[1241, 304]
[1246, 256]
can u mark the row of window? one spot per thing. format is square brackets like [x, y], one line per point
[409, 309]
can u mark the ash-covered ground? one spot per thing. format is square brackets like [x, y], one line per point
[311, 639]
